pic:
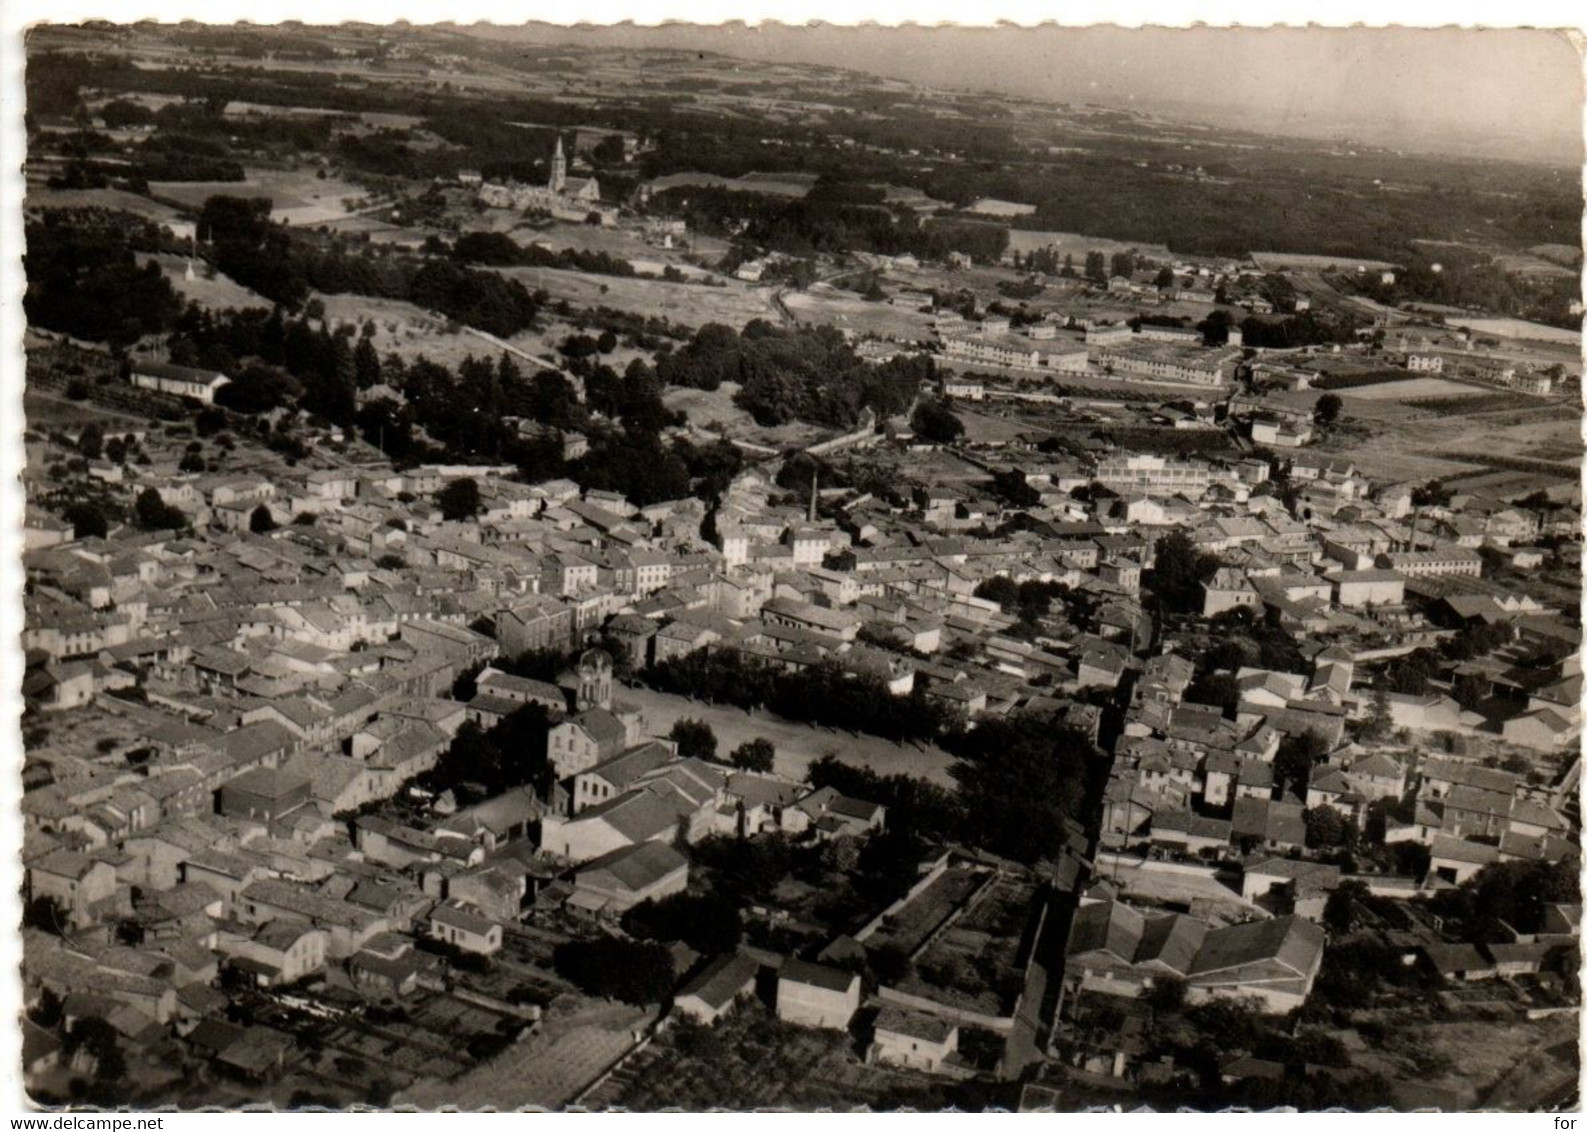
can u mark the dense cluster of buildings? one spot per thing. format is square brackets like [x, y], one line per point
[227, 723]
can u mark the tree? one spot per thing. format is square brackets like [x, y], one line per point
[1165, 278]
[46, 1011]
[757, 755]
[1296, 756]
[841, 854]
[709, 922]
[459, 500]
[260, 521]
[1469, 689]
[366, 363]
[1166, 996]
[640, 973]
[1178, 570]
[1339, 913]
[1411, 859]
[87, 518]
[1433, 493]
[1231, 1023]
[471, 757]
[1215, 328]
[1326, 411]
[1096, 267]
[935, 421]
[91, 442]
[1019, 779]
[151, 513]
[46, 914]
[999, 588]
[1327, 828]
[743, 868]
[1378, 723]
[99, 1038]
[695, 739]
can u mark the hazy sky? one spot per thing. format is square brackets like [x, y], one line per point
[1502, 92]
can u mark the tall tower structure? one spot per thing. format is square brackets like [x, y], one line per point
[559, 169]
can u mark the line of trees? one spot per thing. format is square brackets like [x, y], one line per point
[284, 268]
[822, 694]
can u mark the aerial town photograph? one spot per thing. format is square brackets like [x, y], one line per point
[619, 568]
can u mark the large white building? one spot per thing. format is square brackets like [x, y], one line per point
[1454, 561]
[179, 381]
[1165, 361]
[1143, 471]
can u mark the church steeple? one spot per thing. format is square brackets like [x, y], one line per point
[559, 169]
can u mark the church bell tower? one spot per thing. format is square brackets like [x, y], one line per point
[559, 169]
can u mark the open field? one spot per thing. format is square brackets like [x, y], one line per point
[1517, 263]
[1411, 389]
[41, 197]
[690, 304]
[1276, 261]
[1399, 441]
[798, 745]
[216, 293]
[1073, 243]
[1507, 1062]
[1517, 328]
[983, 428]
[847, 311]
[1474, 402]
[296, 196]
[410, 331]
[45, 409]
[1506, 484]
[191, 195]
[624, 243]
[708, 408]
[401, 327]
[1340, 381]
